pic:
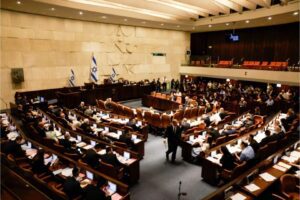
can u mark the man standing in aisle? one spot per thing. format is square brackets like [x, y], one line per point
[173, 134]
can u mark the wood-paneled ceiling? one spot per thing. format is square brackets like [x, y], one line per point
[185, 15]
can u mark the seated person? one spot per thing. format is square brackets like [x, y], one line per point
[89, 111]
[94, 192]
[185, 125]
[14, 147]
[247, 152]
[290, 116]
[37, 162]
[132, 123]
[111, 158]
[214, 133]
[267, 139]
[81, 107]
[85, 126]
[91, 157]
[66, 141]
[107, 104]
[227, 160]
[41, 129]
[71, 186]
[222, 113]
[126, 138]
[228, 129]
[253, 143]
[73, 149]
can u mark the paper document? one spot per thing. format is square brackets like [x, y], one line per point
[252, 187]
[282, 164]
[67, 172]
[267, 177]
[238, 196]
[280, 168]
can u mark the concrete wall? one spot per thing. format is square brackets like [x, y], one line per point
[48, 47]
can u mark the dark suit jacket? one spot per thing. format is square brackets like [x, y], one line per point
[173, 137]
[72, 187]
[125, 139]
[12, 147]
[227, 162]
[86, 128]
[94, 193]
[66, 143]
[111, 158]
[92, 158]
[38, 165]
[267, 139]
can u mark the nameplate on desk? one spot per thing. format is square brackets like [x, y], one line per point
[279, 168]
[81, 144]
[281, 164]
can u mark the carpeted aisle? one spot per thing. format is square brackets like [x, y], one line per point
[160, 179]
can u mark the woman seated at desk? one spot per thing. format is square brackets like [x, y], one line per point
[227, 160]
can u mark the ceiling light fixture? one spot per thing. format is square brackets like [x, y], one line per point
[143, 22]
[295, 13]
[227, 24]
[125, 20]
[103, 17]
[209, 25]
[269, 18]
[161, 24]
[247, 21]
[52, 9]
[19, 2]
[193, 28]
[178, 26]
[80, 13]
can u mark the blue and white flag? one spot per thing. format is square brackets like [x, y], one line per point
[72, 79]
[94, 70]
[113, 75]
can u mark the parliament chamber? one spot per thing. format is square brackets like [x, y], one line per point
[150, 100]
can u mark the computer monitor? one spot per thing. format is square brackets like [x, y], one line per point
[192, 137]
[42, 99]
[112, 187]
[133, 137]
[89, 175]
[79, 138]
[93, 143]
[29, 145]
[228, 192]
[275, 159]
[126, 155]
[213, 153]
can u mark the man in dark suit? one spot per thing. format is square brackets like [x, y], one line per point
[85, 126]
[71, 186]
[91, 157]
[14, 148]
[93, 191]
[126, 138]
[66, 141]
[268, 138]
[173, 134]
[110, 158]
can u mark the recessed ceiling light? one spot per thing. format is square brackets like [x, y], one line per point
[103, 17]
[143, 22]
[177, 26]
[80, 13]
[227, 24]
[161, 24]
[52, 9]
[125, 20]
[295, 13]
[193, 28]
[209, 25]
[19, 2]
[247, 21]
[269, 18]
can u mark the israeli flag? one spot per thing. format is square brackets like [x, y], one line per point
[72, 79]
[113, 75]
[94, 70]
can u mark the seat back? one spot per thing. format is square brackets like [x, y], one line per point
[139, 115]
[220, 140]
[288, 183]
[156, 120]
[148, 117]
[165, 120]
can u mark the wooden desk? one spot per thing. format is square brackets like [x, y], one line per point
[159, 103]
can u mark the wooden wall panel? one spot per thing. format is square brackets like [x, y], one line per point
[270, 43]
